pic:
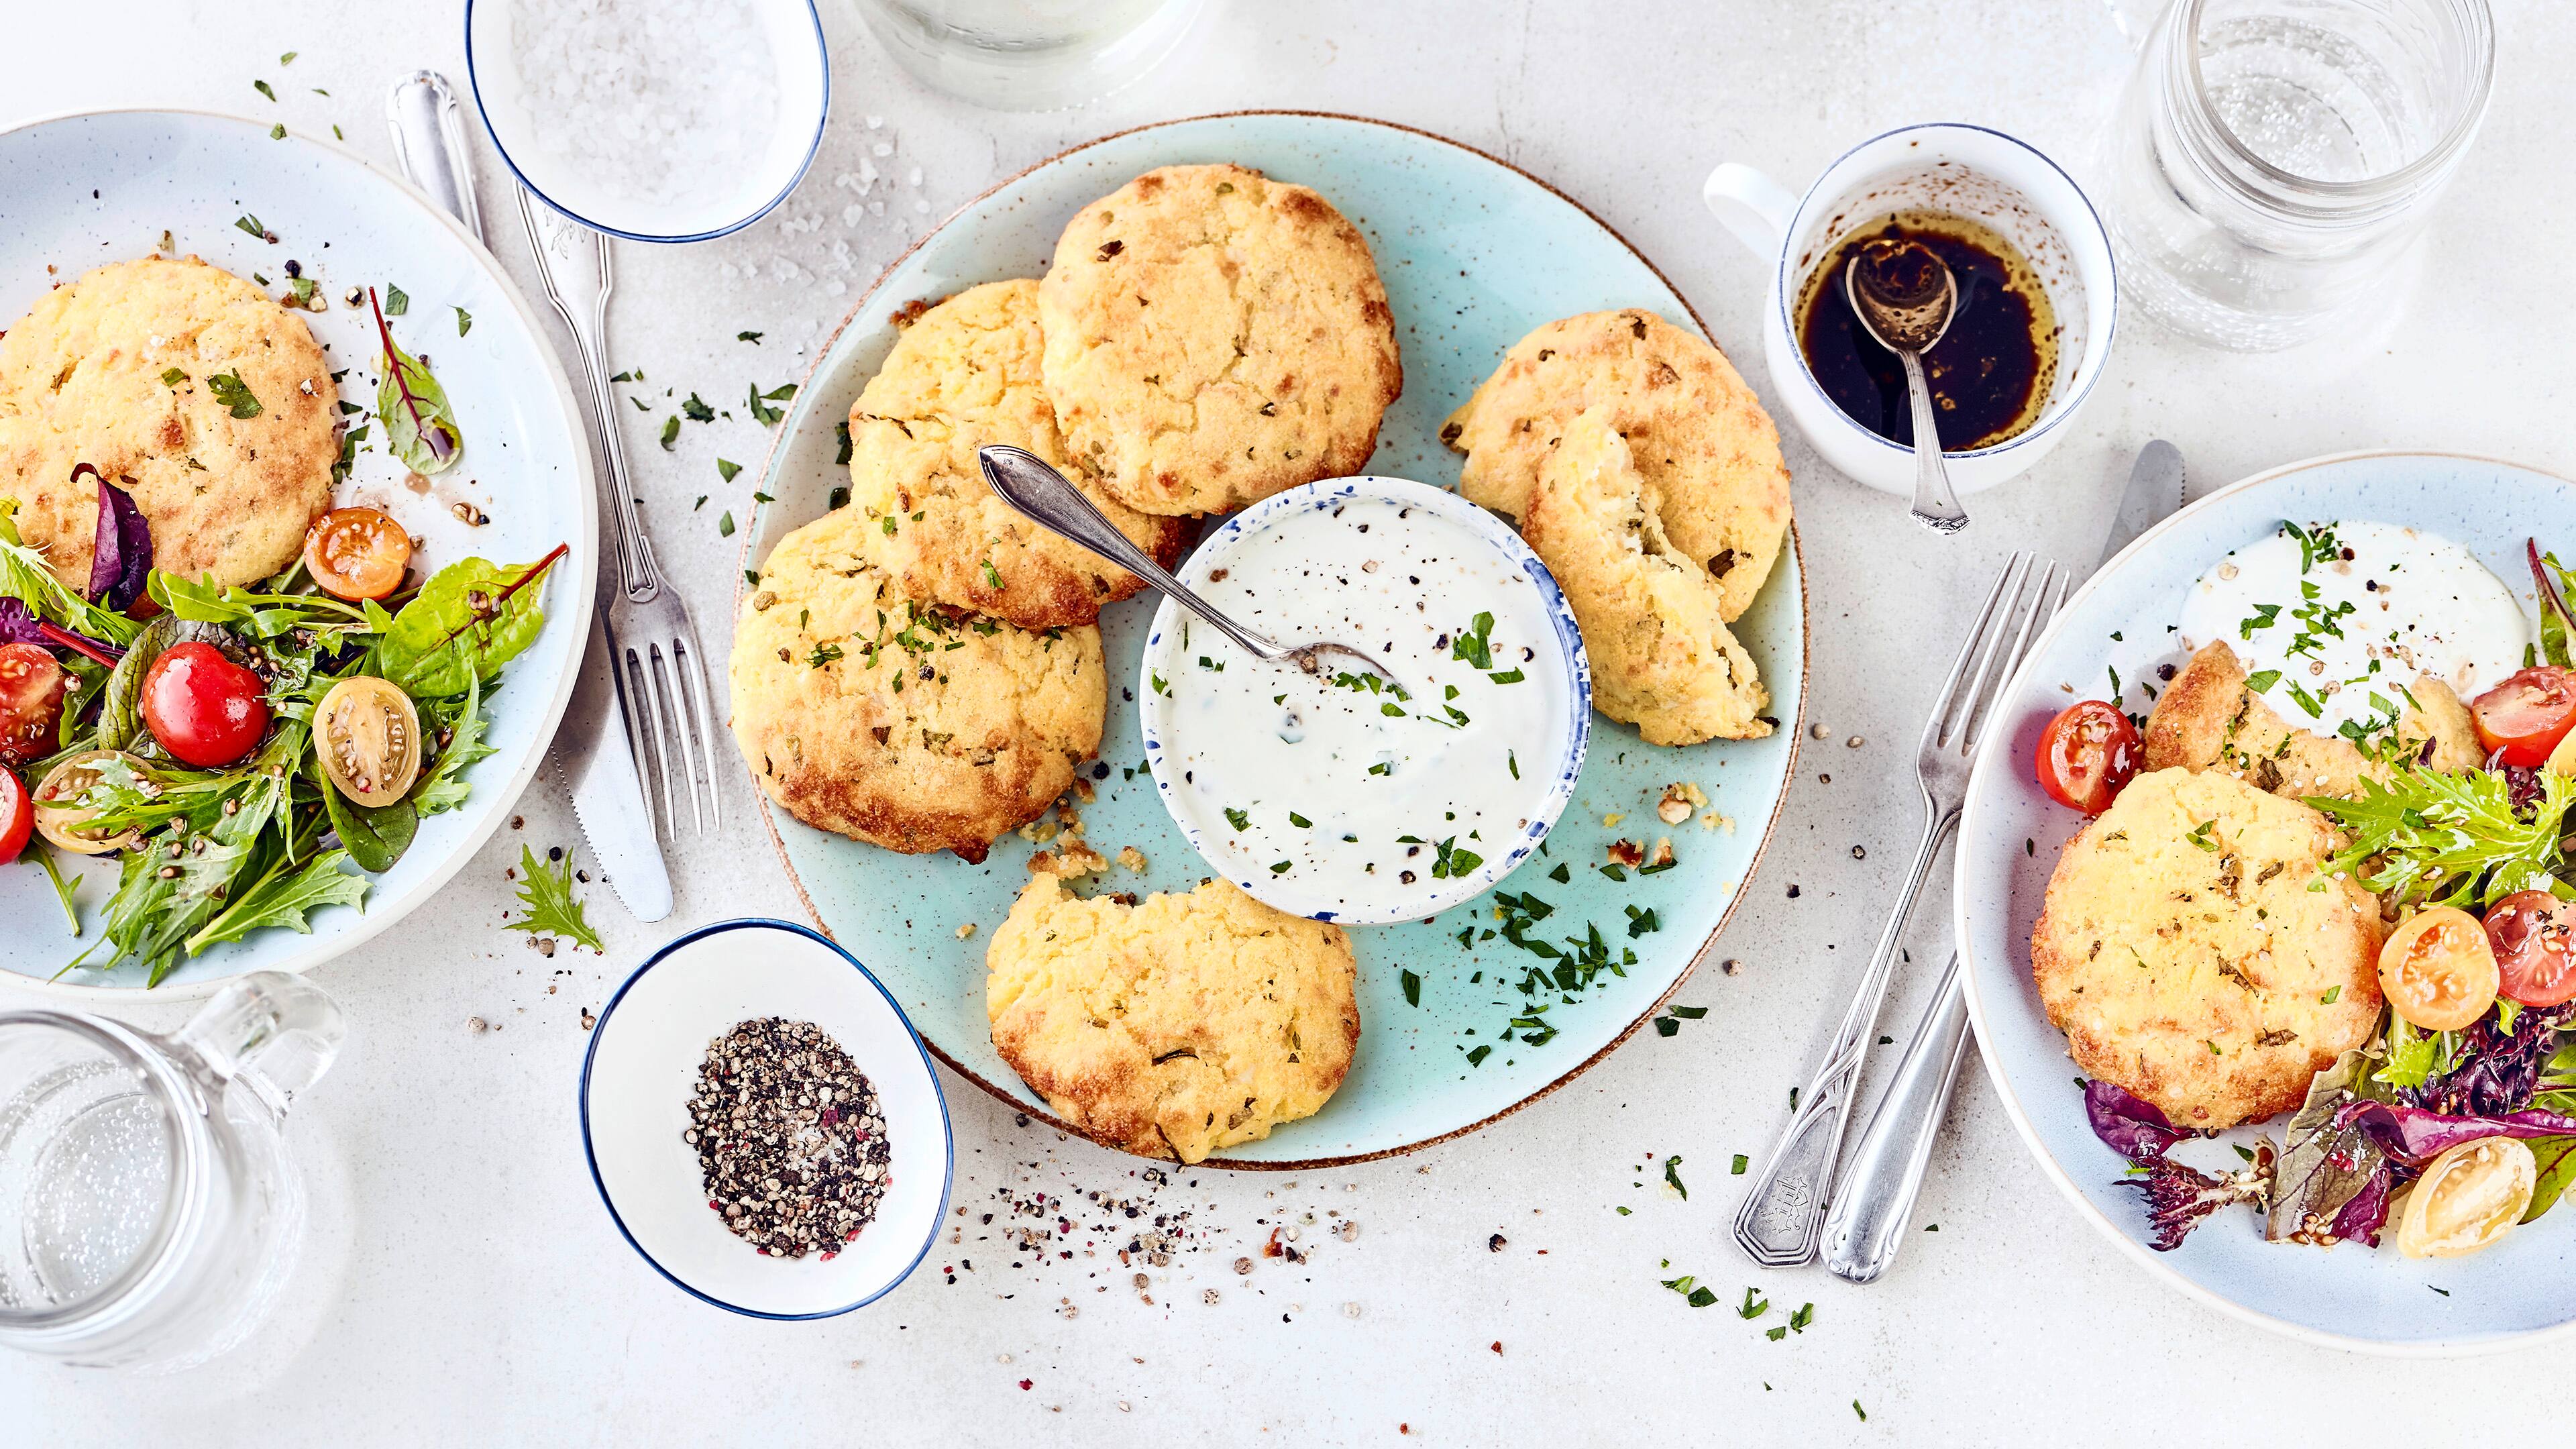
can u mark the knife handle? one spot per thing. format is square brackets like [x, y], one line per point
[429, 143]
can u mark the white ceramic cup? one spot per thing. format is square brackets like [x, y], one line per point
[1968, 171]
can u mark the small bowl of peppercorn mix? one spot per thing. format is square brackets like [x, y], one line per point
[764, 1124]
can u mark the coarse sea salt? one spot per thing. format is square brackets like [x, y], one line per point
[672, 103]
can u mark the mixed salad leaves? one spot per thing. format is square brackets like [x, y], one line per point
[2458, 1116]
[235, 751]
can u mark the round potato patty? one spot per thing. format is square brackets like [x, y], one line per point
[1214, 337]
[963, 376]
[2196, 954]
[893, 721]
[208, 403]
[1176, 1027]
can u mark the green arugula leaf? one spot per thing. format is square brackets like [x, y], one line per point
[548, 907]
[442, 786]
[285, 895]
[26, 577]
[472, 617]
[2449, 840]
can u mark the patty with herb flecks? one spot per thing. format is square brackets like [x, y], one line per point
[2197, 954]
[892, 720]
[207, 402]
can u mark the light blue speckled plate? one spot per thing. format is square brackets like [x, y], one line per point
[1474, 255]
[2351, 1297]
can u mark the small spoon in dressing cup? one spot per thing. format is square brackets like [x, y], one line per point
[1905, 297]
[1027, 483]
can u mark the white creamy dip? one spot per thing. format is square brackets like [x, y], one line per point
[2333, 622]
[1331, 796]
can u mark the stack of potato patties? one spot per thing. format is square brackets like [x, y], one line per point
[1647, 477]
[921, 669]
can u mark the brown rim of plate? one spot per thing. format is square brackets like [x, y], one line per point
[1797, 726]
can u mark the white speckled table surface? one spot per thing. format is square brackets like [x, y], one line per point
[462, 1283]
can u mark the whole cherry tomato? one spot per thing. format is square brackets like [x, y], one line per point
[2534, 937]
[203, 708]
[2525, 717]
[2088, 755]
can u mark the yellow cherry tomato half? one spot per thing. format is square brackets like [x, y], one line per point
[357, 553]
[2467, 1198]
[2562, 760]
[67, 826]
[368, 735]
[2438, 970]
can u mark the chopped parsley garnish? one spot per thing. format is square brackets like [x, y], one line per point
[1300, 821]
[1454, 863]
[751, 337]
[1673, 1175]
[1381, 768]
[1751, 1308]
[1161, 686]
[724, 524]
[1412, 989]
[1390, 708]
[1512, 758]
[464, 321]
[841, 430]
[2265, 616]
[823, 654]
[992, 576]
[1281, 866]
[1239, 819]
[1737, 1169]
[251, 224]
[277, 132]
[262, 87]
[171, 377]
[2315, 707]
[1509, 676]
[2202, 837]
[726, 468]
[2263, 679]
[1641, 922]
[234, 394]
[697, 409]
[1475, 644]
[887, 523]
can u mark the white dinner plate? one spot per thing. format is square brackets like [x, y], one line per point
[2352, 1296]
[80, 191]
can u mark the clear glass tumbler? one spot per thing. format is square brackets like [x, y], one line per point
[1028, 55]
[149, 1210]
[2271, 161]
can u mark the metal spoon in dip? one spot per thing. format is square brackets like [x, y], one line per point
[1027, 483]
[1905, 297]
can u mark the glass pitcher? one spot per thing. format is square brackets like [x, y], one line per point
[149, 1209]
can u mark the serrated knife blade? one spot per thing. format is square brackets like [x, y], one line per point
[592, 751]
[2155, 490]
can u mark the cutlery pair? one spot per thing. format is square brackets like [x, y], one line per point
[642, 645]
[1802, 1198]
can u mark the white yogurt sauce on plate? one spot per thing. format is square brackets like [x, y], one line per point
[2324, 618]
[1336, 797]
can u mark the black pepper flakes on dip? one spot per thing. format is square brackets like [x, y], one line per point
[790, 1137]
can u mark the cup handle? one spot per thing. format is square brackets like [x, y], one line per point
[274, 1033]
[1754, 207]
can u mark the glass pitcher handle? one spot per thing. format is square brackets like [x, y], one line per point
[274, 1033]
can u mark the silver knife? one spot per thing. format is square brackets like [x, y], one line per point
[1875, 1198]
[591, 750]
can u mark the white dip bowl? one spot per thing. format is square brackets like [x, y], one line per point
[1328, 798]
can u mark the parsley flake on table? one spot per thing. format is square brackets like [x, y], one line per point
[1750, 1308]
[1736, 1169]
[277, 132]
[726, 468]
[751, 337]
[1412, 988]
[697, 410]
[724, 524]
[262, 87]
[1673, 1175]
[547, 904]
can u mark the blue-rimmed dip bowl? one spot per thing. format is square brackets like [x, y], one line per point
[1264, 770]
[642, 1069]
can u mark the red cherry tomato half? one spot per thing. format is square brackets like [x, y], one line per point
[203, 708]
[31, 703]
[17, 816]
[2534, 935]
[2525, 717]
[2089, 754]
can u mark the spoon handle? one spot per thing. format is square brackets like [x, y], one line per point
[1028, 483]
[1935, 506]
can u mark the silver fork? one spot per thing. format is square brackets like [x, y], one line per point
[1782, 1219]
[653, 645]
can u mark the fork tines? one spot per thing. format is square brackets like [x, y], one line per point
[664, 680]
[2023, 600]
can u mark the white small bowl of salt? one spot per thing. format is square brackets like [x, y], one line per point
[654, 120]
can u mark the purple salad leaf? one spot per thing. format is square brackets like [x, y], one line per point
[2180, 1198]
[2132, 1128]
[19, 625]
[2367, 1212]
[2497, 1070]
[121, 553]
[2324, 1165]
[2415, 1136]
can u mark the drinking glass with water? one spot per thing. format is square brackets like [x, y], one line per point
[149, 1210]
[2272, 160]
